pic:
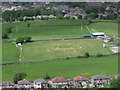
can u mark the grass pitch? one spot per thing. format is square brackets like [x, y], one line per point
[62, 49]
[10, 53]
[109, 28]
[48, 29]
[68, 68]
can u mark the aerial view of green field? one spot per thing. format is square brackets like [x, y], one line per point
[48, 29]
[9, 53]
[109, 28]
[59, 45]
[61, 49]
[65, 67]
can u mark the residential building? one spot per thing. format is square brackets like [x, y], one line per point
[24, 84]
[40, 83]
[58, 82]
[80, 81]
[100, 80]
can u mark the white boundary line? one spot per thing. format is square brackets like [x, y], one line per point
[88, 29]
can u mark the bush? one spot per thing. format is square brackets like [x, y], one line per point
[87, 54]
[19, 76]
[99, 55]
[9, 30]
[19, 40]
[4, 36]
[28, 25]
[27, 38]
[78, 56]
[67, 58]
[47, 76]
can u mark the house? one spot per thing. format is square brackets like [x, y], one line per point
[98, 34]
[40, 83]
[117, 76]
[100, 80]
[58, 82]
[24, 84]
[80, 81]
[8, 84]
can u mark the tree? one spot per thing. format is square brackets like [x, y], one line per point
[79, 16]
[28, 25]
[112, 16]
[19, 40]
[27, 38]
[47, 76]
[9, 30]
[19, 76]
[115, 83]
[4, 36]
[87, 54]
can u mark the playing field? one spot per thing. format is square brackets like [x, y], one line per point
[48, 29]
[68, 68]
[109, 28]
[47, 50]
[10, 53]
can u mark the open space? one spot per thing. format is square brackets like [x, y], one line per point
[62, 49]
[109, 28]
[10, 53]
[48, 29]
[67, 67]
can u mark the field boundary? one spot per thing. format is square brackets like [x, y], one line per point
[89, 29]
[40, 61]
[60, 39]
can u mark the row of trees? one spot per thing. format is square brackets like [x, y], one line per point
[23, 39]
[13, 15]
[21, 76]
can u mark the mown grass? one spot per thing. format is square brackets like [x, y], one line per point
[62, 49]
[10, 53]
[43, 29]
[68, 68]
[109, 28]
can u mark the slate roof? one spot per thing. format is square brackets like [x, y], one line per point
[101, 77]
[7, 83]
[24, 82]
[117, 76]
[40, 81]
[81, 78]
[59, 79]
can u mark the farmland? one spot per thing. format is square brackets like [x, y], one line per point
[67, 67]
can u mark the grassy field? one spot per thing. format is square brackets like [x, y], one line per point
[109, 28]
[68, 68]
[10, 53]
[62, 49]
[48, 29]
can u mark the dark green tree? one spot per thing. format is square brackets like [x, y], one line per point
[4, 36]
[27, 38]
[87, 54]
[19, 76]
[115, 83]
[28, 25]
[19, 40]
[47, 76]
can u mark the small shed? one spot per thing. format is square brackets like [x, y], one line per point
[98, 34]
